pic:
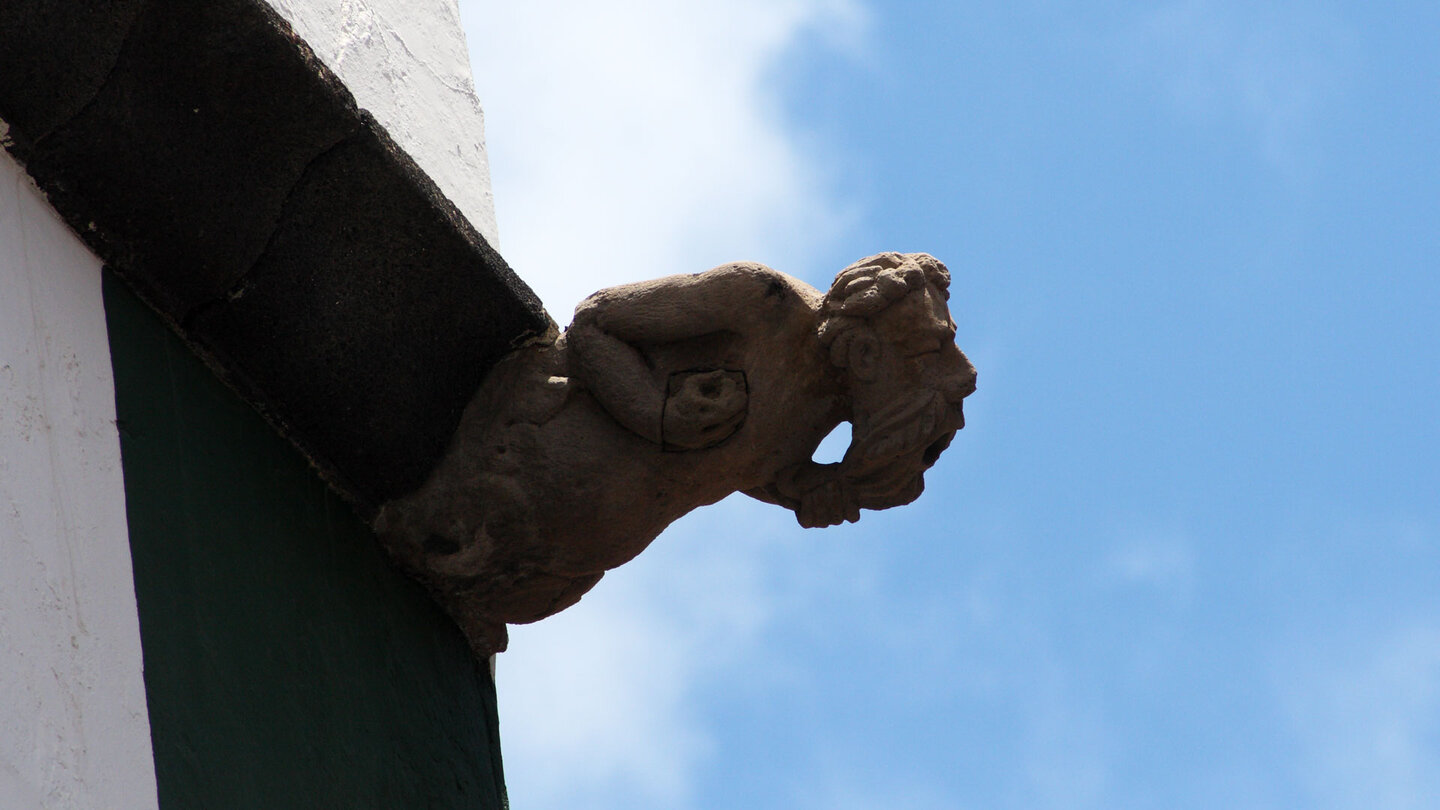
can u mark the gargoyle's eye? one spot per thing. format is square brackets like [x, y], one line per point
[927, 347]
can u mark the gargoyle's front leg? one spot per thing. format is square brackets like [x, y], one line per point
[616, 375]
[818, 494]
[691, 411]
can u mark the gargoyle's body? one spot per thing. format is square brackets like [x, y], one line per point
[668, 395]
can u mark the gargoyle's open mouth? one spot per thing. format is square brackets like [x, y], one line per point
[932, 453]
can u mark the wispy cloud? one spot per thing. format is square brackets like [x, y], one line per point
[1159, 560]
[1367, 720]
[1266, 67]
[1066, 753]
[842, 789]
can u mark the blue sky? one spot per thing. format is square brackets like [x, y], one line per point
[1186, 552]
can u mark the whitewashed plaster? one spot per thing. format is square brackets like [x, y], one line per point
[406, 62]
[74, 731]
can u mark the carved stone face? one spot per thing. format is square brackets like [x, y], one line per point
[908, 382]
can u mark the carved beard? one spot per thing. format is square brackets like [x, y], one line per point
[899, 429]
[886, 462]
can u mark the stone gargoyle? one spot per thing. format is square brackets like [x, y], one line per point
[671, 394]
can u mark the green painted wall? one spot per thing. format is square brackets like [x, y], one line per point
[287, 664]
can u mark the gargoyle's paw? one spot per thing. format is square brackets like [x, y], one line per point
[703, 408]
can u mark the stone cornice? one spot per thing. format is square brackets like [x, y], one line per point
[207, 156]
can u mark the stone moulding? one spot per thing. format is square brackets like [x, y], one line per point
[206, 155]
[667, 395]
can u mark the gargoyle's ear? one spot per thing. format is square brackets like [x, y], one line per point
[863, 354]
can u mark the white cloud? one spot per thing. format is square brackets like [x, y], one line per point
[635, 139]
[1368, 721]
[600, 704]
[592, 706]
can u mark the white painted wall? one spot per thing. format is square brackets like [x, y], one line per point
[407, 63]
[74, 731]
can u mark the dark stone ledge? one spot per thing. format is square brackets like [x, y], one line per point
[215, 164]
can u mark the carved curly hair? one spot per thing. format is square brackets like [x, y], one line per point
[867, 287]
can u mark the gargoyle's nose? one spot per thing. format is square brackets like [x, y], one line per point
[961, 384]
